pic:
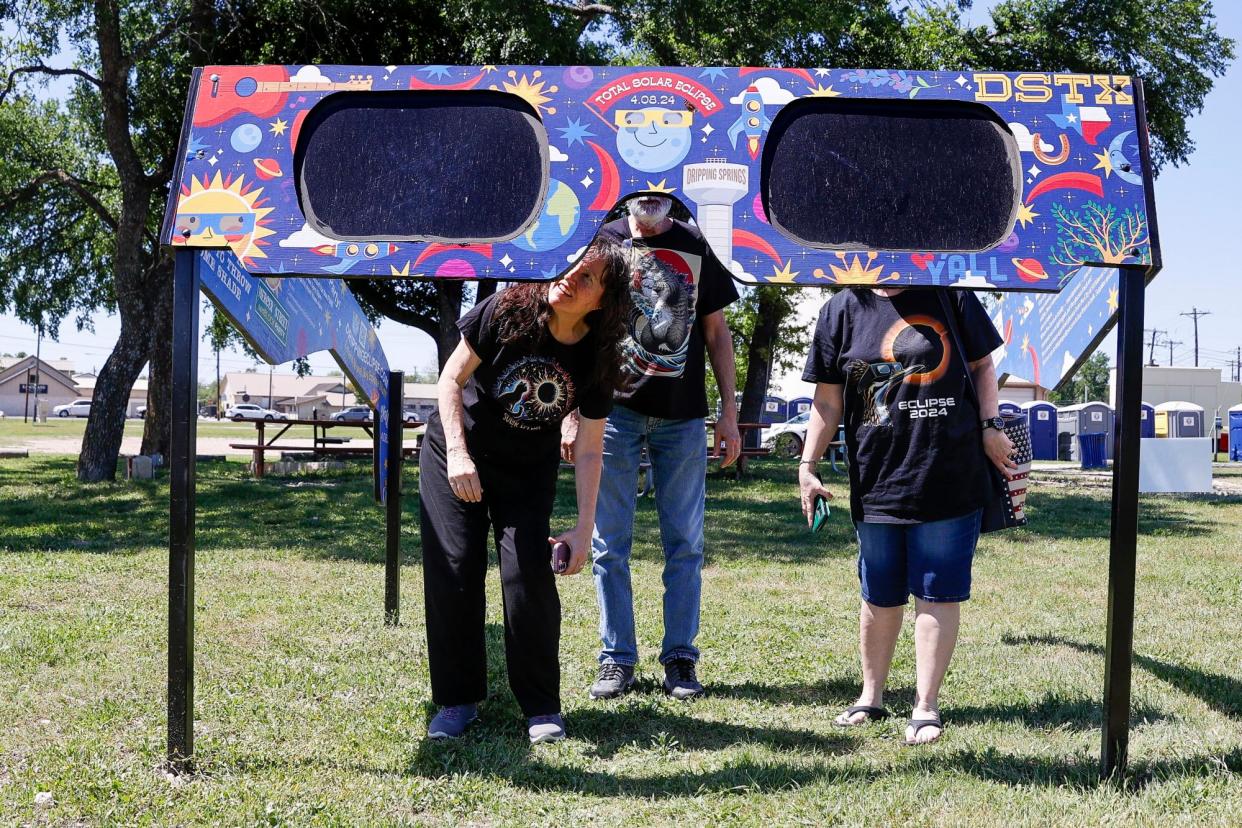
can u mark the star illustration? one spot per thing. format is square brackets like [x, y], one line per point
[1112, 300]
[783, 275]
[278, 126]
[821, 72]
[574, 132]
[194, 146]
[1026, 343]
[1026, 214]
[660, 187]
[1103, 162]
[713, 73]
[821, 91]
[436, 71]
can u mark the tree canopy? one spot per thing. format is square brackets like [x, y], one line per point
[84, 174]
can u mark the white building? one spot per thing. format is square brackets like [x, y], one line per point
[1201, 386]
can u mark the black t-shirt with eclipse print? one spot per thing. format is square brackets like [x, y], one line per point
[912, 434]
[515, 400]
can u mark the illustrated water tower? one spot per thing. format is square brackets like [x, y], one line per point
[715, 186]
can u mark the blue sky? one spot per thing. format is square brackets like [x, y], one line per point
[1199, 223]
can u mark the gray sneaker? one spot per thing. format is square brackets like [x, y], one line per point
[450, 722]
[549, 728]
[613, 680]
[680, 682]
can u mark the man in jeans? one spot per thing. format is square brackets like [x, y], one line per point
[680, 290]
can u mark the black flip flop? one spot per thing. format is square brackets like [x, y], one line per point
[874, 714]
[919, 724]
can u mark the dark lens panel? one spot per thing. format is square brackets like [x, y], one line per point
[421, 165]
[891, 175]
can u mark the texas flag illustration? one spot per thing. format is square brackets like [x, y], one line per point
[1087, 121]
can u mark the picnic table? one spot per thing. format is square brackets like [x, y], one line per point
[715, 452]
[321, 442]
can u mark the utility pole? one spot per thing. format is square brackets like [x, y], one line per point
[1194, 314]
[38, 362]
[217, 384]
[1171, 343]
[1151, 349]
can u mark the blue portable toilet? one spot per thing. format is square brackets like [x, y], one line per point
[1084, 418]
[1147, 423]
[773, 410]
[1009, 408]
[798, 405]
[1041, 418]
[1235, 433]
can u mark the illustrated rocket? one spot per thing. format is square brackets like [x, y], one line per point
[753, 121]
[350, 253]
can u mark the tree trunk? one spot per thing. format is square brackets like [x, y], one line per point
[155, 433]
[101, 443]
[769, 315]
[448, 295]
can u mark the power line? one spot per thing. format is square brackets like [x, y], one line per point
[1171, 343]
[1194, 314]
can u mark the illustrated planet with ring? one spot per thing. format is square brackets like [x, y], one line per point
[267, 168]
[1030, 270]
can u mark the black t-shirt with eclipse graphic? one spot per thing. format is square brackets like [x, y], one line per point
[515, 400]
[911, 429]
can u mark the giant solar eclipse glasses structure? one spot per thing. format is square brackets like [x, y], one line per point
[293, 178]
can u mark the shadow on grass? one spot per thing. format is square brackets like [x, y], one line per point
[1220, 692]
[1065, 514]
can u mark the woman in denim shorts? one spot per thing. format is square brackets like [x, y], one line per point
[884, 363]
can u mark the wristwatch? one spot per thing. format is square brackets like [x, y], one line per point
[994, 422]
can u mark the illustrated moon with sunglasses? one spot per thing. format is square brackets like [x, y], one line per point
[653, 139]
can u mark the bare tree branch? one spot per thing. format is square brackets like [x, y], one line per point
[74, 183]
[142, 47]
[42, 69]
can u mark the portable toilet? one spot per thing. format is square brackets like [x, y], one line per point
[1041, 418]
[1009, 408]
[798, 405]
[1147, 421]
[1235, 433]
[1180, 419]
[1083, 418]
[773, 410]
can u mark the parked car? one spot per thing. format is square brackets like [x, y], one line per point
[354, 414]
[141, 412]
[77, 408]
[786, 439]
[410, 415]
[250, 411]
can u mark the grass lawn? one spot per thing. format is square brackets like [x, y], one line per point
[310, 711]
[14, 432]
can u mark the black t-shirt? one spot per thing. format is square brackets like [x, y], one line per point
[676, 282]
[912, 431]
[515, 400]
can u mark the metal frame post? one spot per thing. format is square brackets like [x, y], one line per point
[182, 449]
[392, 505]
[1119, 647]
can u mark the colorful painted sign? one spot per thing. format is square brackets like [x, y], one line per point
[697, 134]
[284, 319]
[1046, 336]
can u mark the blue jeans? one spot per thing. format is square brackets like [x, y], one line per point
[928, 560]
[678, 452]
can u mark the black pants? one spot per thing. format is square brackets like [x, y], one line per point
[517, 507]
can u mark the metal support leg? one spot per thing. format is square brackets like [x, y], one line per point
[392, 508]
[1119, 651]
[182, 508]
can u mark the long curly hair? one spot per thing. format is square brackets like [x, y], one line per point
[522, 313]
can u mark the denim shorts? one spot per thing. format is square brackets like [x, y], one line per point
[928, 560]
